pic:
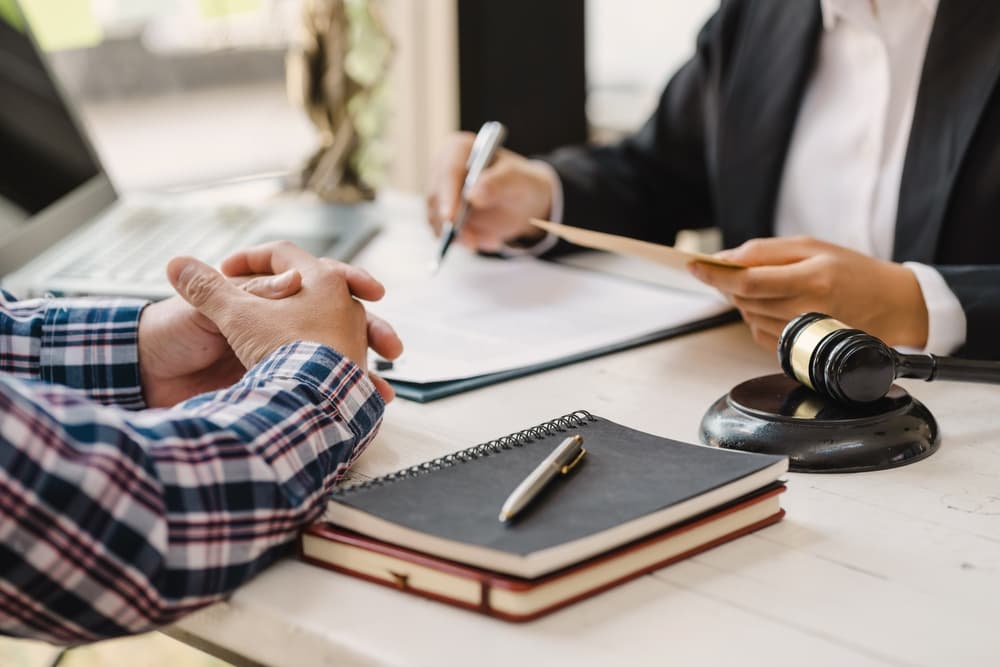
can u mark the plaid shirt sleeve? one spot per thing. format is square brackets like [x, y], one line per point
[113, 522]
[85, 344]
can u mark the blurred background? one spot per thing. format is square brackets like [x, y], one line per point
[178, 93]
[188, 91]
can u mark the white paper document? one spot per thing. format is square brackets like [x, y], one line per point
[480, 315]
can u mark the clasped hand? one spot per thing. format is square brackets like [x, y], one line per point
[786, 277]
[265, 297]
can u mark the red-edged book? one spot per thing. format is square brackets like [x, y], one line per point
[638, 503]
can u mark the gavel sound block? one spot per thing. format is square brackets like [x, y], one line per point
[777, 415]
[836, 408]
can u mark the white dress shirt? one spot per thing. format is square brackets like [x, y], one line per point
[844, 165]
[845, 161]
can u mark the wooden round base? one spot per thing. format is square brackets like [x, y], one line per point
[776, 415]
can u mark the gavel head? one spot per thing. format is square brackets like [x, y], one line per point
[836, 361]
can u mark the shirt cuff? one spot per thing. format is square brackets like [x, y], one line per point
[92, 345]
[555, 215]
[341, 388]
[946, 321]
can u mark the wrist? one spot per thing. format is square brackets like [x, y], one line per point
[549, 189]
[147, 357]
[906, 320]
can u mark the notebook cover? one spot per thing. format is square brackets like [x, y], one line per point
[627, 475]
[431, 391]
[488, 580]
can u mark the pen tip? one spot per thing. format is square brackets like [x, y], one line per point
[504, 516]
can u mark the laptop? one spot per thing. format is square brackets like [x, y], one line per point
[64, 230]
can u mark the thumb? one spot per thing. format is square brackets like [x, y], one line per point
[202, 286]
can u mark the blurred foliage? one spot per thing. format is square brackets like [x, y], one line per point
[213, 9]
[10, 14]
[368, 58]
[63, 24]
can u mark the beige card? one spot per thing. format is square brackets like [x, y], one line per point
[622, 245]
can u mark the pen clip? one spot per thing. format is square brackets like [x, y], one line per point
[572, 464]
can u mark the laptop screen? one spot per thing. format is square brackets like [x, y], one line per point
[43, 155]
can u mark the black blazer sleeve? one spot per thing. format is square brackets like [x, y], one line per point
[978, 290]
[656, 181]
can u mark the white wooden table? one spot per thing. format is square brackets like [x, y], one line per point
[900, 567]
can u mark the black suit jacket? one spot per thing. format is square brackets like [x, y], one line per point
[713, 152]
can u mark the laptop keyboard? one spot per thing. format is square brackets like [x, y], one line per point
[146, 238]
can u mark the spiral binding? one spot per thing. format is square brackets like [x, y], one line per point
[562, 424]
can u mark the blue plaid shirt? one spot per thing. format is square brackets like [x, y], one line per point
[115, 519]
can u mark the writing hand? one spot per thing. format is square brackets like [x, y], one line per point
[508, 193]
[789, 276]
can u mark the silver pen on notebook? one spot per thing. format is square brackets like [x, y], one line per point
[561, 461]
[488, 141]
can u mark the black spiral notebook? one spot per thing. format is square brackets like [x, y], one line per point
[630, 485]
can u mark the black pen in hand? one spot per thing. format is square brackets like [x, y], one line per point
[488, 141]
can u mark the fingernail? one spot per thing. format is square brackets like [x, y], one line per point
[281, 282]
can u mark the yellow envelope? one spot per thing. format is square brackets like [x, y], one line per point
[623, 245]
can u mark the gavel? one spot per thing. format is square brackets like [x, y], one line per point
[854, 367]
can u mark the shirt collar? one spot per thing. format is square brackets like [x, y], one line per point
[834, 10]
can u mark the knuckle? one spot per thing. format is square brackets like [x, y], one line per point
[331, 273]
[200, 288]
[331, 269]
[746, 283]
[822, 284]
[821, 280]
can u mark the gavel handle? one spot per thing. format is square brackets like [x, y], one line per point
[932, 367]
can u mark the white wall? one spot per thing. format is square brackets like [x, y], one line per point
[423, 87]
[633, 46]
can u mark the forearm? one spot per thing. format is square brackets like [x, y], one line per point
[84, 344]
[143, 517]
